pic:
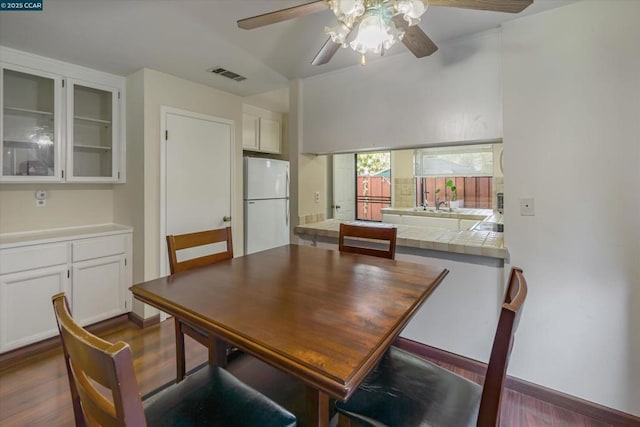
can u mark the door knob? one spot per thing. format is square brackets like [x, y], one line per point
[226, 218]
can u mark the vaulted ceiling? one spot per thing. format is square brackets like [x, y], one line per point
[187, 37]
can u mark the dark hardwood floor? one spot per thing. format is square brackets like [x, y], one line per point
[35, 391]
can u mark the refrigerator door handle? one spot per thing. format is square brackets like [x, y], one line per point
[287, 187]
[286, 213]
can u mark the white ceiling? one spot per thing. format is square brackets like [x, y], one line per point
[186, 37]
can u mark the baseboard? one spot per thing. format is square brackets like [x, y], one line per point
[14, 357]
[566, 401]
[144, 323]
[572, 403]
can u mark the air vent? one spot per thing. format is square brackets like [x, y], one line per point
[226, 73]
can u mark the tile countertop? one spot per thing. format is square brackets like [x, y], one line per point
[480, 243]
[485, 215]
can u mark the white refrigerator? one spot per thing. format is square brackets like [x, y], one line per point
[266, 204]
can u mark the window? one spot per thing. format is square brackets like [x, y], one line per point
[468, 167]
[373, 185]
[462, 160]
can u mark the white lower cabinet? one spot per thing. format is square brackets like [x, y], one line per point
[99, 286]
[26, 313]
[94, 272]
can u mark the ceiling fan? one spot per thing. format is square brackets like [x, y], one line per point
[373, 26]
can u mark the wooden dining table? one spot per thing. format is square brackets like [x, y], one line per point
[323, 316]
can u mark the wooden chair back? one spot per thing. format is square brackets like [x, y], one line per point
[90, 360]
[489, 413]
[387, 234]
[191, 240]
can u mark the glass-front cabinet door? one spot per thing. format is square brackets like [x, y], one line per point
[30, 125]
[92, 123]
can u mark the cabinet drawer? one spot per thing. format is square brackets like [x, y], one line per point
[32, 257]
[98, 247]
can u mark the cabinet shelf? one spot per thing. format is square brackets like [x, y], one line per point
[28, 111]
[23, 143]
[90, 147]
[92, 120]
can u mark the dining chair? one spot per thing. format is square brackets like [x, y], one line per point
[179, 242]
[104, 390]
[405, 390]
[380, 233]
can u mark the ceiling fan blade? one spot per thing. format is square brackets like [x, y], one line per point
[282, 15]
[415, 39]
[327, 51]
[510, 6]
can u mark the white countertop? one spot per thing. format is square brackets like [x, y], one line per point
[480, 243]
[486, 215]
[9, 240]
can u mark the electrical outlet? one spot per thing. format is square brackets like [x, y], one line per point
[527, 206]
[316, 197]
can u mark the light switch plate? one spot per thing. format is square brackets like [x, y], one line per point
[527, 206]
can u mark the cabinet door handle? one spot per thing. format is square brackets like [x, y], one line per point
[226, 218]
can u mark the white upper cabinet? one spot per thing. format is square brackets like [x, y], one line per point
[270, 135]
[250, 131]
[59, 122]
[92, 116]
[31, 125]
[261, 130]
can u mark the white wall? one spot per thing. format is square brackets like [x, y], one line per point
[402, 101]
[128, 200]
[275, 100]
[68, 205]
[571, 140]
[312, 171]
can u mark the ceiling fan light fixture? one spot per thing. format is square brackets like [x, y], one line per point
[347, 11]
[375, 35]
[338, 33]
[411, 10]
[373, 22]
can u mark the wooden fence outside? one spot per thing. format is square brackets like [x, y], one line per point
[475, 192]
[372, 194]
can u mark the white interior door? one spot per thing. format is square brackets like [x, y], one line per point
[198, 159]
[344, 186]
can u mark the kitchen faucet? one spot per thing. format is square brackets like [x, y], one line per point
[439, 203]
[425, 202]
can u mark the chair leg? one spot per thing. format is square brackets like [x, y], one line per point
[180, 357]
[344, 421]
